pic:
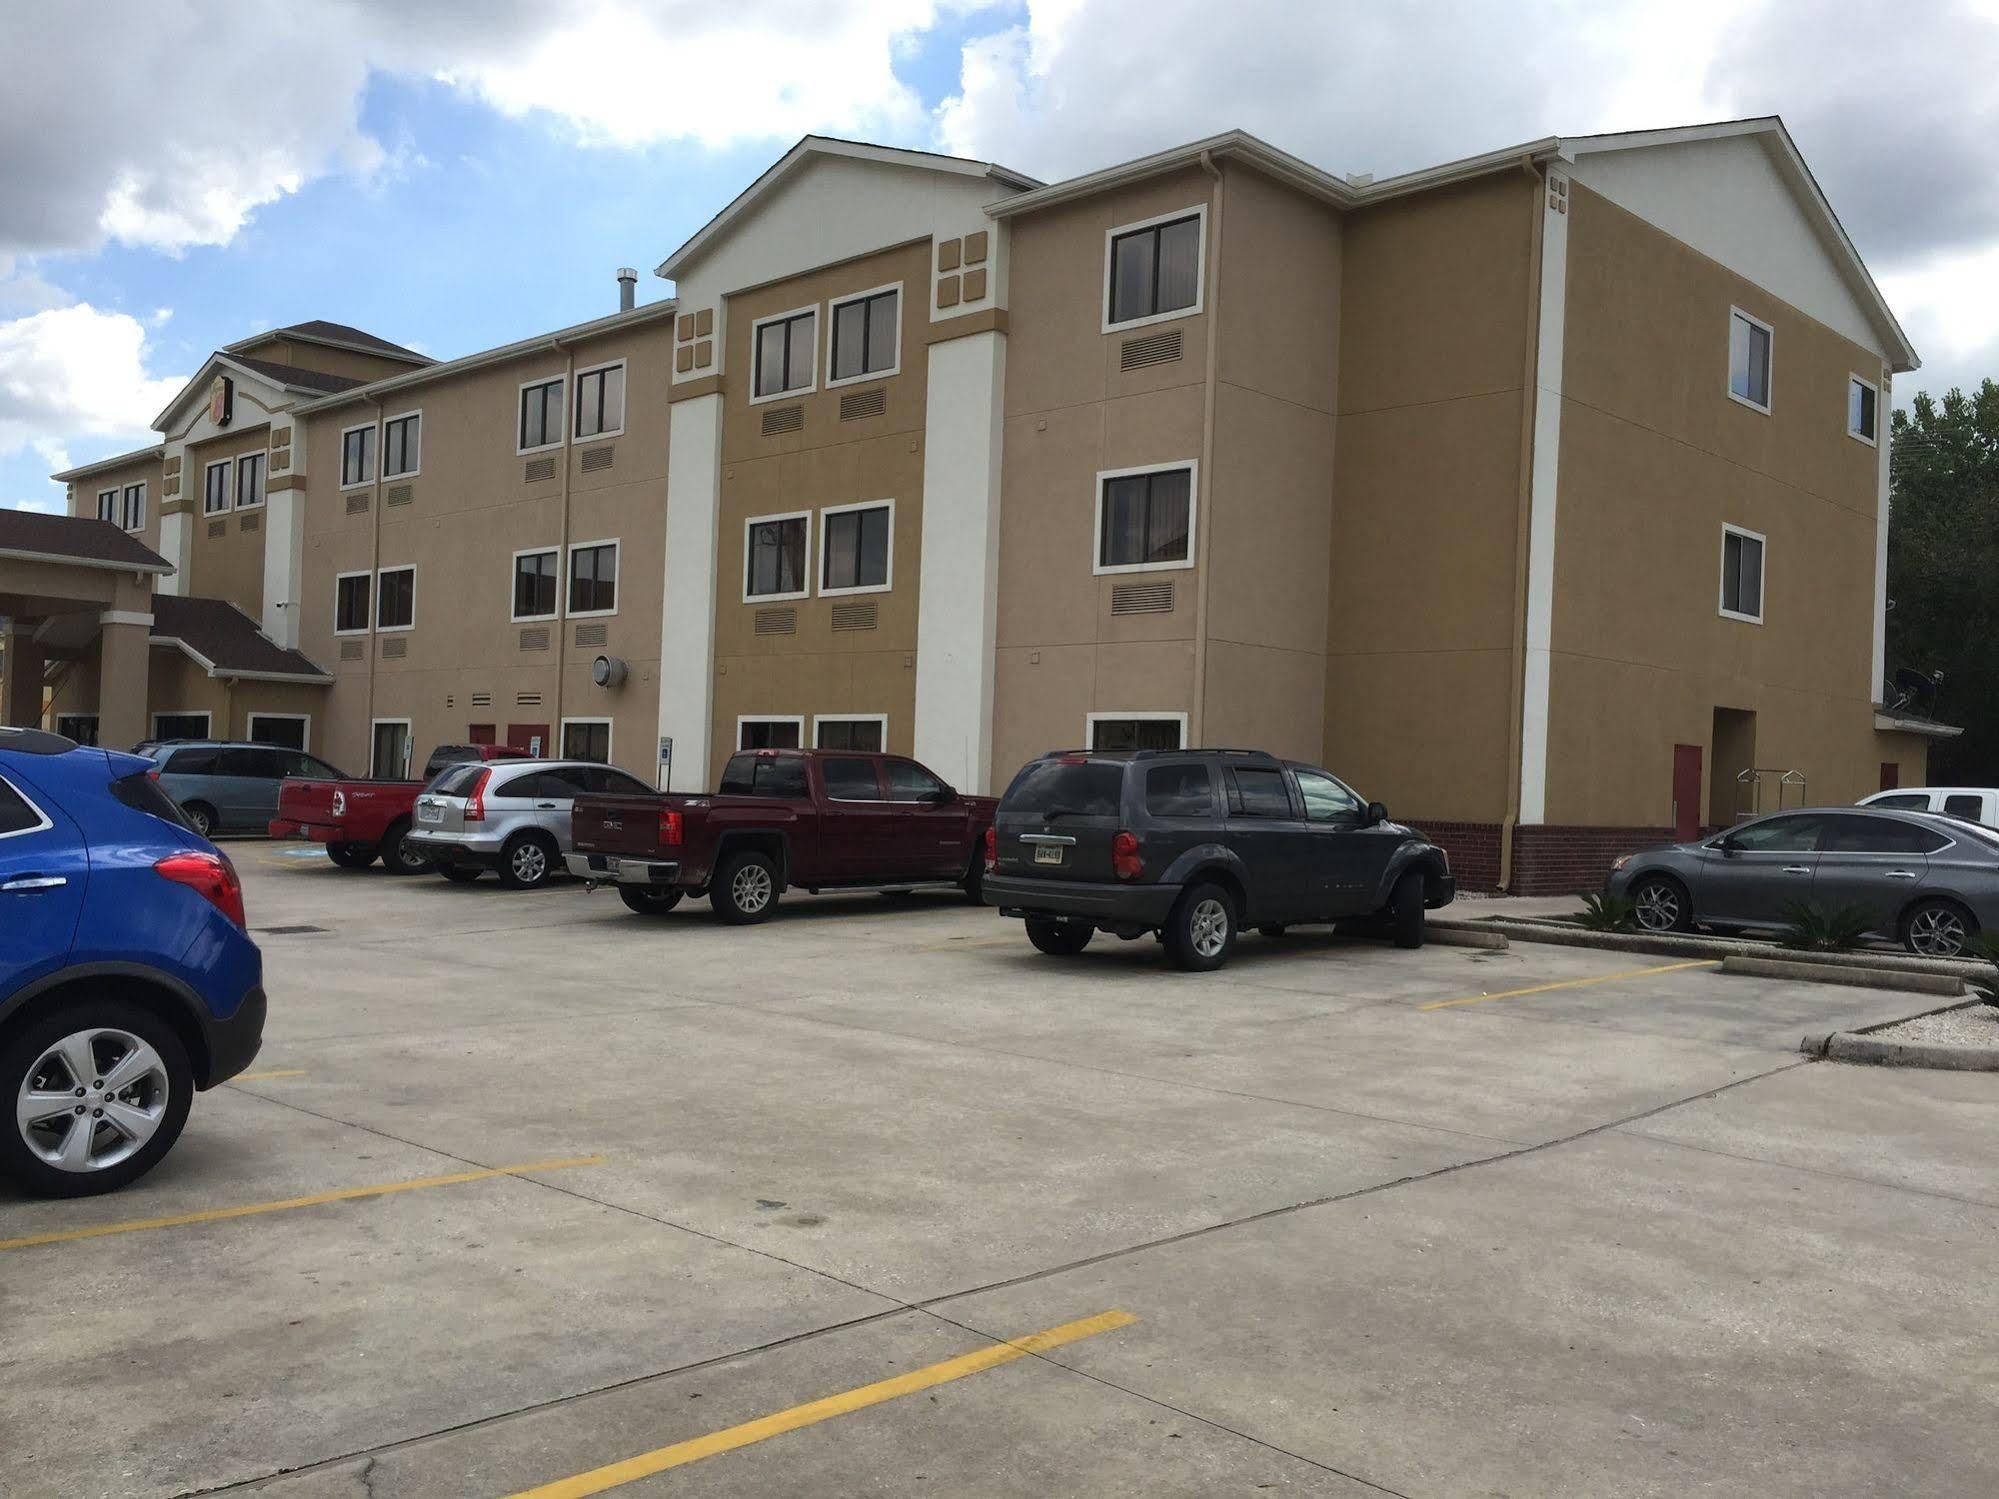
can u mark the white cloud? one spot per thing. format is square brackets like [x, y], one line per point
[76, 371]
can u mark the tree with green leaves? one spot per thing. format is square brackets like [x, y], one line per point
[1943, 562]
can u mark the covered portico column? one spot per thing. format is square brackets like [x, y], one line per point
[125, 653]
[25, 664]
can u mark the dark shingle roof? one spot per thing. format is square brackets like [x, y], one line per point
[227, 638]
[298, 379]
[76, 538]
[341, 333]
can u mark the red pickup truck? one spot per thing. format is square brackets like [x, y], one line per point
[359, 821]
[801, 819]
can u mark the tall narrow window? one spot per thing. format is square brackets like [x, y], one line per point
[776, 563]
[1155, 270]
[541, 415]
[249, 481]
[107, 505]
[389, 758]
[135, 507]
[1861, 401]
[1749, 360]
[1741, 574]
[357, 456]
[593, 578]
[350, 603]
[854, 546]
[1146, 520]
[215, 488]
[534, 585]
[395, 599]
[864, 335]
[600, 401]
[402, 439]
[784, 352]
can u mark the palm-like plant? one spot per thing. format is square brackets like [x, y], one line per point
[1985, 948]
[1811, 927]
[1607, 913]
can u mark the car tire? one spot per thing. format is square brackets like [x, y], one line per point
[1663, 904]
[1405, 910]
[1059, 939]
[648, 902]
[1938, 928]
[1201, 932]
[974, 882]
[745, 890]
[399, 855]
[201, 817]
[459, 874]
[351, 855]
[158, 1098]
[527, 861]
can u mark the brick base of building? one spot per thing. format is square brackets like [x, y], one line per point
[1547, 860]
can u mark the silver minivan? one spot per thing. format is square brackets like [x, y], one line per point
[510, 816]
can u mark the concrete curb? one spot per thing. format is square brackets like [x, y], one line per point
[1846, 1046]
[1457, 936]
[1858, 978]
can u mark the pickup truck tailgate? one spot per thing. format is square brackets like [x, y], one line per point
[303, 801]
[624, 825]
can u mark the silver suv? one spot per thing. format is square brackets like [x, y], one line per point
[511, 816]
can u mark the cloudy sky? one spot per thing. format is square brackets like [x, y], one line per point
[177, 174]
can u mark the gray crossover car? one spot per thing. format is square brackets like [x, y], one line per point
[1927, 881]
[511, 816]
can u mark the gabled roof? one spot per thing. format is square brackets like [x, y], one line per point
[335, 335]
[226, 642]
[825, 145]
[288, 377]
[80, 540]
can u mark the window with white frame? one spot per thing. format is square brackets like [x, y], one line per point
[249, 481]
[593, 578]
[215, 488]
[770, 733]
[1749, 359]
[389, 749]
[541, 415]
[1154, 269]
[135, 507]
[402, 442]
[775, 551]
[1136, 731]
[783, 352]
[587, 739]
[1863, 399]
[1145, 519]
[395, 598]
[864, 733]
[855, 545]
[357, 456]
[351, 592]
[535, 584]
[107, 505]
[1741, 574]
[600, 401]
[866, 335]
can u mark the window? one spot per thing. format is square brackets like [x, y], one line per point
[107, 505]
[395, 598]
[855, 545]
[286, 730]
[587, 739]
[784, 353]
[402, 442]
[1852, 833]
[776, 546]
[1260, 793]
[1136, 731]
[249, 481]
[1179, 791]
[18, 814]
[1326, 800]
[1908, 801]
[593, 578]
[1145, 520]
[910, 782]
[850, 780]
[135, 507]
[1154, 270]
[389, 749]
[1861, 399]
[769, 733]
[82, 727]
[534, 584]
[193, 762]
[864, 336]
[1968, 805]
[251, 764]
[600, 401]
[1741, 574]
[1749, 360]
[350, 603]
[541, 415]
[1069, 785]
[1779, 835]
[215, 488]
[180, 726]
[862, 731]
[357, 456]
[765, 775]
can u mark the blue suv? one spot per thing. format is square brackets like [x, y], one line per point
[127, 977]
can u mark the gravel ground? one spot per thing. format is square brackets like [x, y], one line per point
[1975, 1025]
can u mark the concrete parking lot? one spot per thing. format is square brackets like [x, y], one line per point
[524, 1187]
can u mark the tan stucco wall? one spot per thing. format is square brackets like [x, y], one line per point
[817, 669]
[229, 565]
[1655, 457]
[83, 493]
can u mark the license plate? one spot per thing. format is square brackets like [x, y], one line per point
[1048, 853]
[430, 814]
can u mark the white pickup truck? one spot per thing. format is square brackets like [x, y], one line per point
[1972, 803]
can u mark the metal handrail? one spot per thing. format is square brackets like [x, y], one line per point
[1753, 779]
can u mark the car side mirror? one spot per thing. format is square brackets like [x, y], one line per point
[1727, 844]
[1376, 814]
[942, 798]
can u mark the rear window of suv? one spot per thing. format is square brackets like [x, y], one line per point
[142, 794]
[1080, 788]
[457, 780]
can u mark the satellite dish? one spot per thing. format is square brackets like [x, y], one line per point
[608, 672]
[1917, 690]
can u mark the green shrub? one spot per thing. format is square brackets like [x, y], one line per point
[1810, 927]
[1608, 913]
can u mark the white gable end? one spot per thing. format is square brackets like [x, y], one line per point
[1726, 198]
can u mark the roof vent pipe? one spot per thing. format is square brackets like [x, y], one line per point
[628, 288]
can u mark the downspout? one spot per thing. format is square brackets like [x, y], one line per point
[554, 747]
[1204, 525]
[374, 566]
[1529, 395]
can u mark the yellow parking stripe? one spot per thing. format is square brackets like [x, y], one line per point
[344, 1194]
[597, 1480]
[1602, 978]
[263, 1077]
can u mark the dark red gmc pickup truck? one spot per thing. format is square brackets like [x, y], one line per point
[801, 819]
[360, 821]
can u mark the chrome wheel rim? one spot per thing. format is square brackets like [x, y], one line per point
[750, 888]
[1937, 932]
[1208, 927]
[408, 854]
[203, 824]
[1658, 907]
[91, 1100]
[529, 863]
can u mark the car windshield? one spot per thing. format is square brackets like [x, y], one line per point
[1067, 787]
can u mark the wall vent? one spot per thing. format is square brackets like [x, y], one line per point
[535, 639]
[1153, 348]
[598, 458]
[859, 403]
[218, 528]
[394, 648]
[777, 621]
[537, 469]
[357, 504]
[250, 521]
[352, 650]
[401, 494]
[482, 699]
[781, 419]
[854, 616]
[591, 635]
[1142, 598]
[527, 699]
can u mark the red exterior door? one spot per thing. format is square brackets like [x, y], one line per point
[1891, 774]
[481, 733]
[532, 737]
[1686, 792]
